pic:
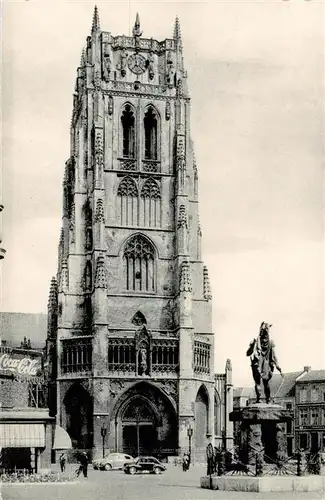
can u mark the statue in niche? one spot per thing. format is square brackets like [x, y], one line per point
[106, 67]
[143, 358]
[170, 70]
[263, 361]
[150, 62]
[122, 65]
[110, 105]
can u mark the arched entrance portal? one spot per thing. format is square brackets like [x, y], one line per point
[78, 406]
[139, 424]
[201, 421]
[145, 422]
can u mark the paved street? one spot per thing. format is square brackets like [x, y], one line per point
[173, 485]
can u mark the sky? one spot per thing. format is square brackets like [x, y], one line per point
[256, 78]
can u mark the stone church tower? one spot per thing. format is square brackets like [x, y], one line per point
[130, 341]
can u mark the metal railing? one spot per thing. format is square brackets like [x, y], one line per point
[221, 462]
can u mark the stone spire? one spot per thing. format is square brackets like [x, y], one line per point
[101, 277]
[185, 281]
[206, 284]
[177, 34]
[95, 26]
[99, 214]
[136, 31]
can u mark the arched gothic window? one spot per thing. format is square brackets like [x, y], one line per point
[127, 196]
[128, 132]
[150, 204]
[150, 134]
[139, 264]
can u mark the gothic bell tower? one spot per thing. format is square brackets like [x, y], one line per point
[132, 313]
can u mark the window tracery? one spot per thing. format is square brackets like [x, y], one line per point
[135, 209]
[150, 204]
[150, 134]
[127, 195]
[128, 132]
[139, 264]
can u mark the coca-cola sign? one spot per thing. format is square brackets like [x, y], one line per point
[24, 366]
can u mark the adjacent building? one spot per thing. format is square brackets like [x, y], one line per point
[303, 392]
[130, 342]
[310, 411]
[26, 429]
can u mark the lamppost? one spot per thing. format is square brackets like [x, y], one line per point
[190, 434]
[103, 432]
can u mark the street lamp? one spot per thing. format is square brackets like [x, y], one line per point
[103, 432]
[190, 434]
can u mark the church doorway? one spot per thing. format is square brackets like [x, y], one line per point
[145, 422]
[139, 425]
[79, 411]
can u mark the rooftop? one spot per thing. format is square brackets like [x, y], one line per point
[243, 392]
[15, 326]
[313, 376]
[284, 387]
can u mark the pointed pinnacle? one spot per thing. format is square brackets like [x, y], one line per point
[185, 281]
[64, 281]
[136, 28]
[95, 25]
[177, 33]
[100, 277]
[83, 58]
[53, 293]
[206, 284]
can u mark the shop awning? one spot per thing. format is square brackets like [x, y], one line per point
[22, 435]
[62, 439]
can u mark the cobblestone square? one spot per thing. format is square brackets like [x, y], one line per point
[173, 485]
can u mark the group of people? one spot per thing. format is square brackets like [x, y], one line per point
[82, 459]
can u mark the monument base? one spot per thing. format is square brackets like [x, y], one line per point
[262, 432]
[264, 483]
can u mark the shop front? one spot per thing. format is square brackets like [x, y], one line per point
[25, 440]
[26, 429]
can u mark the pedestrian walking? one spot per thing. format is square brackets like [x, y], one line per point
[83, 460]
[62, 461]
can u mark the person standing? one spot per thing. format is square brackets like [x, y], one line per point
[186, 462]
[84, 464]
[62, 461]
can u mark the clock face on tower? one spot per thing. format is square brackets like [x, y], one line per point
[137, 63]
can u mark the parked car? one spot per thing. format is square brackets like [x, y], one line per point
[112, 461]
[95, 463]
[144, 464]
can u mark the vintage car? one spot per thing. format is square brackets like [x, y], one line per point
[112, 461]
[144, 464]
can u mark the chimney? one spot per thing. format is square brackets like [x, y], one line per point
[307, 369]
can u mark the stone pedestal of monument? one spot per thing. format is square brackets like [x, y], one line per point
[262, 432]
[262, 441]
